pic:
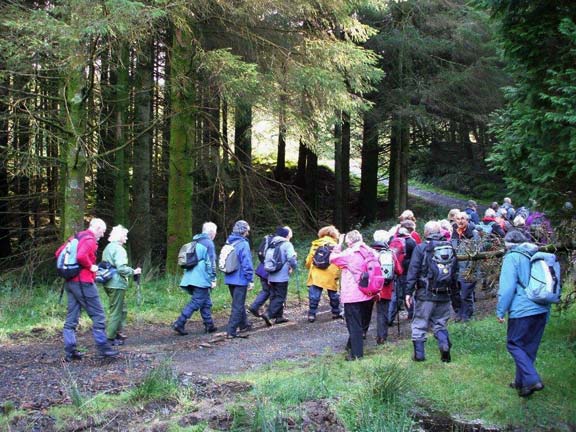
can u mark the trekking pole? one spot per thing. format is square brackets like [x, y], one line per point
[398, 313]
[298, 286]
[61, 293]
[138, 289]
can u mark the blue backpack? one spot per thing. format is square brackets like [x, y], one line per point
[67, 263]
[544, 286]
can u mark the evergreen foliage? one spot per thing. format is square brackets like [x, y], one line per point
[536, 131]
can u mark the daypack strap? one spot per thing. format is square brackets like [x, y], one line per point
[524, 254]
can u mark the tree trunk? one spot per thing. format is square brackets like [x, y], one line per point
[342, 171]
[300, 179]
[369, 174]
[121, 182]
[140, 240]
[398, 180]
[281, 156]
[5, 246]
[311, 191]
[74, 153]
[182, 139]
[243, 132]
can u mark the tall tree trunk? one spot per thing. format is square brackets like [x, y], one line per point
[121, 183]
[342, 171]
[225, 142]
[74, 153]
[243, 132]
[140, 239]
[394, 169]
[404, 159]
[369, 174]
[300, 179]
[182, 139]
[5, 246]
[281, 156]
[311, 191]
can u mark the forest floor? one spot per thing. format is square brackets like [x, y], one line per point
[35, 377]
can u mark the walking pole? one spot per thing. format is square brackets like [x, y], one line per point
[398, 300]
[138, 290]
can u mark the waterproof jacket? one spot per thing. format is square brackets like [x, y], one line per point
[288, 258]
[85, 256]
[327, 278]
[397, 247]
[512, 298]
[115, 254]
[417, 272]
[472, 215]
[496, 228]
[352, 264]
[245, 273]
[459, 242]
[204, 273]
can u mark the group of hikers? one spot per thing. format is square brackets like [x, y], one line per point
[399, 269]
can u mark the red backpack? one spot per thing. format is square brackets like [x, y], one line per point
[371, 280]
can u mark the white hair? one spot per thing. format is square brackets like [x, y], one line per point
[117, 233]
[519, 221]
[209, 228]
[507, 200]
[381, 236]
[97, 223]
[445, 224]
[353, 236]
[489, 213]
[431, 227]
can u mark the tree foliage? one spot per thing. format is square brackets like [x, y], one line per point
[536, 131]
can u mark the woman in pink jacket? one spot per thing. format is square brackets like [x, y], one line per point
[357, 306]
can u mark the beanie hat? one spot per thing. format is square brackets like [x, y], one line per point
[241, 227]
[514, 237]
[281, 232]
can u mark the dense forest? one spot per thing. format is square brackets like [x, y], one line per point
[144, 113]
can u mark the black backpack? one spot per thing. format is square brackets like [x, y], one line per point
[273, 260]
[105, 273]
[264, 244]
[321, 258]
[440, 259]
[187, 256]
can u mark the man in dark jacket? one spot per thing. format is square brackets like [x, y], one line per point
[82, 294]
[471, 212]
[432, 274]
[463, 237]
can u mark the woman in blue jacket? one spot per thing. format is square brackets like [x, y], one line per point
[526, 319]
[239, 280]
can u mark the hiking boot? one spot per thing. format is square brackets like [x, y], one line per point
[281, 320]
[107, 352]
[337, 316]
[419, 353]
[311, 318]
[445, 356]
[350, 357]
[121, 336]
[73, 356]
[236, 336]
[115, 342]
[514, 386]
[266, 320]
[208, 329]
[254, 311]
[179, 329]
[380, 340]
[528, 390]
[245, 329]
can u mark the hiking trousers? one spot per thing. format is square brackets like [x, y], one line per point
[383, 317]
[238, 318]
[523, 340]
[262, 296]
[429, 313]
[117, 311]
[200, 301]
[314, 295]
[278, 293]
[357, 316]
[83, 295]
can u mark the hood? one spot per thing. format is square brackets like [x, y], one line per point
[323, 240]
[527, 248]
[200, 236]
[436, 236]
[234, 238]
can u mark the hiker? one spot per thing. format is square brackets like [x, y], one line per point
[82, 293]
[410, 225]
[357, 305]
[282, 252]
[407, 216]
[501, 219]
[199, 280]
[446, 229]
[463, 298]
[386, 301]
[321, 274]
[452, 217]
[403, 235]
[519, 224]
[539, 227]
[432, 275]
[264, 293]
[470, 210]
[489, 225]
[507, 205]
[239, 280]
[115, 254]
[526, 319]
